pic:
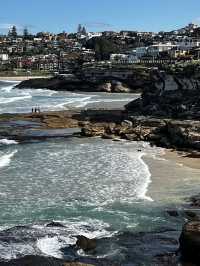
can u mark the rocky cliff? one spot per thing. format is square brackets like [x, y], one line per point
[170, 95]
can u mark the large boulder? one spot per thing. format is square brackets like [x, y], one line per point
[190, 242]
[118, 86]
[85, 243]
[105, 87]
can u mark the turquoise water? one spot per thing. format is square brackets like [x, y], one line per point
[94, 187]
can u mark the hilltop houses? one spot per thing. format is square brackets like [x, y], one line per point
[51, 52]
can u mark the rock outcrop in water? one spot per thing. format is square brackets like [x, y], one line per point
[102, 78]
[85, 243]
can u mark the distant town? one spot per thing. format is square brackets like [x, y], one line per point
[48, 53]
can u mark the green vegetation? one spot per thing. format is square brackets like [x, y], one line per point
[186, 70]
[102, 47]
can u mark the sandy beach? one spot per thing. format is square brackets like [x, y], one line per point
[174, 177]
[182, 159]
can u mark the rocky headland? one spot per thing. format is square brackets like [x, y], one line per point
[92, 78]
[167, 113]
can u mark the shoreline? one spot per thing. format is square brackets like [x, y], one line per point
[169, 172]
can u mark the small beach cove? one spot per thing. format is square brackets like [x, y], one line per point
[101, 188]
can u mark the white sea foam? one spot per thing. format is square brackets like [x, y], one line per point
[91, 228]
[7, 89]
[11, 81]
[142, 190]
[41, 92]
[79, 102]
[51, 245]
[8, 252]
[6, 159]
[4, 100]
[8, 142]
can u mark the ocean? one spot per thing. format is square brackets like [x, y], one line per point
[94, 187]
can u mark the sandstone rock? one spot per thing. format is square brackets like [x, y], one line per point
[127, 123]
[92, 131]
[107, 136]
[131, 137]
[119, 87]
[85, 243]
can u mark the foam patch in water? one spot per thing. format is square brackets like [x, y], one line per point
[6, 159]
[8, 142]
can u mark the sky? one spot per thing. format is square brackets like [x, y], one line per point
[98, 15]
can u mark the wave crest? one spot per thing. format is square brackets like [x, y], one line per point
[6, 159]
[8, 142]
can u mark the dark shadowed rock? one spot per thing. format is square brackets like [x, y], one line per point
[54, 224]
[191, 215]
[190, 242]
[173, 213]
[85, 243]
[42, 261]
[195, 201]
[34, 261]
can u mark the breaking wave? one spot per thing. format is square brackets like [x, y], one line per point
[4, 100]
[6, 159]
[8, 142]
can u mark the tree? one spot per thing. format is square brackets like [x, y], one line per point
[13, 32]
[79, 30]
[102, 47]
[26, 33]
[84, 32]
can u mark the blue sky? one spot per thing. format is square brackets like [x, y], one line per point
[98, 15]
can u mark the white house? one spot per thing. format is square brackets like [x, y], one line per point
[129, 58]
[156, 49]
[91, 35]
[4, 57]
[118, 57]
[188, 43]
[141, 51]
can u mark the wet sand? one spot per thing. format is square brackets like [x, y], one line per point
[182, 159]
[174, 178]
